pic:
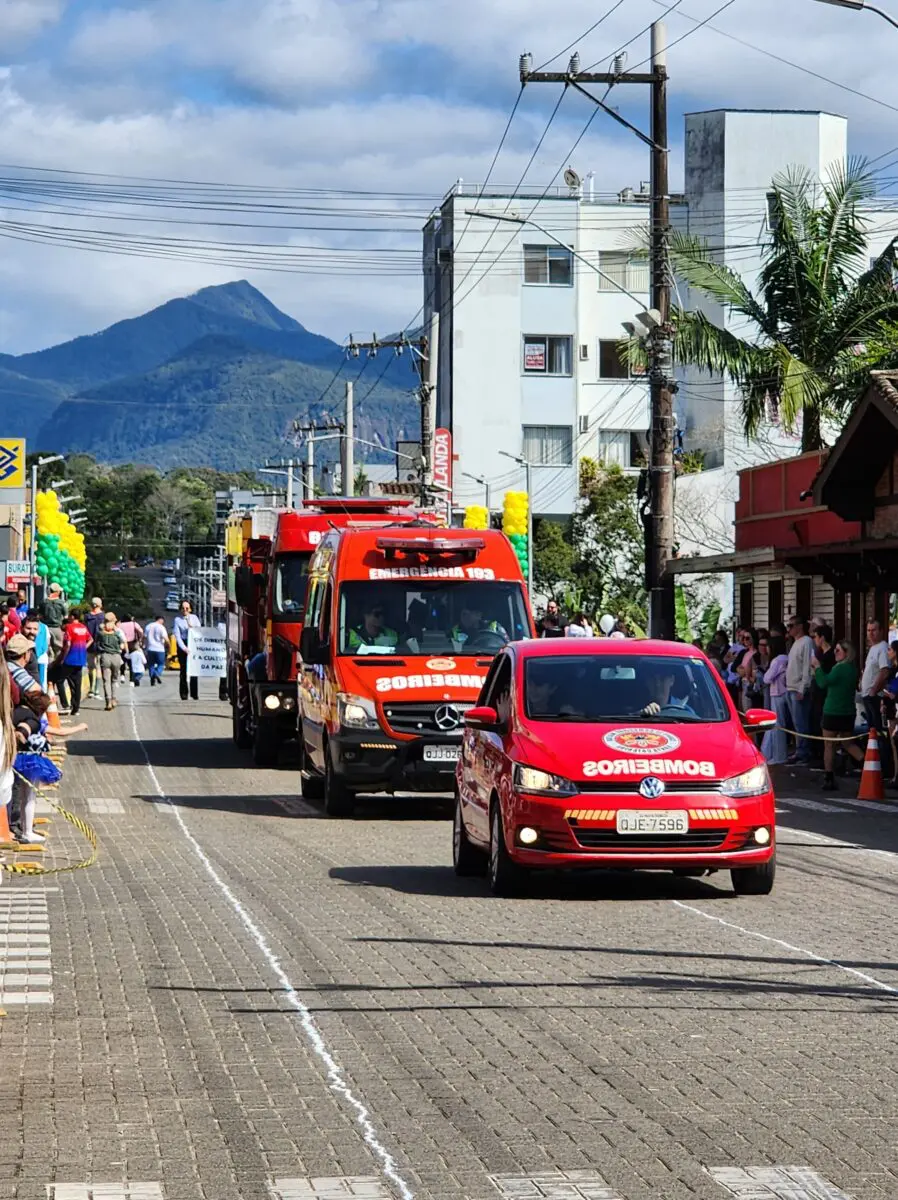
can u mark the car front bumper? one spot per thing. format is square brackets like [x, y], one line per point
[374, 761]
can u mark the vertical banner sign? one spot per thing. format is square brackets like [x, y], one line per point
[442, 459]
[12, 470]
[207, 654]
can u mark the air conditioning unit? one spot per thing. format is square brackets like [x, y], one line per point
[584, 424]
[444, 255]
[584, 352]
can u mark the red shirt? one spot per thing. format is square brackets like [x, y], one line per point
[77, 639]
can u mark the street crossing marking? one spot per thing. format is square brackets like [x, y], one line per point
[100, 806]
[776, 1183]
[25, 975]
[554, 1185]
[816, 805]
[882, 808]
[104, 1191]
[338, 1187]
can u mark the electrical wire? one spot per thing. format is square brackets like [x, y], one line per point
[585, 34]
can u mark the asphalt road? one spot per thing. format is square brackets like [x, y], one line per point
[245, 1001]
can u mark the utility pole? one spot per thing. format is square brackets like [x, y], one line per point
[659, 524]
[348, 465]
[426, 390]
[309, 434]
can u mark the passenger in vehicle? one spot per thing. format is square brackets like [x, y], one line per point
[372, 631]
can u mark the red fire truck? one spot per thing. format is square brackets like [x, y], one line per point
[268, 554]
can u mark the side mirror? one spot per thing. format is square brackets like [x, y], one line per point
[482, 718]
[245, 587]
[312, 650]
[759, 718]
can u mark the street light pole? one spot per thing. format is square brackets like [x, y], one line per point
[858, 5]
[484, 483]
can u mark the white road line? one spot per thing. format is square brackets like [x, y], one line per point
[101, 806]
[816, 805]
[104, 1191]
[339, 1187]
[581, 1184]
[25, 976]
[776, 1183]
[800, 950]
[337, 1080]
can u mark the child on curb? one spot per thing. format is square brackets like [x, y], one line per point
[138, 661]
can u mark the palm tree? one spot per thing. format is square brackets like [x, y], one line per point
[819, 321]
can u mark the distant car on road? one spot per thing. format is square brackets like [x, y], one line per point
[171, 605]
[116, 567]
[170, 579]
[168, 564]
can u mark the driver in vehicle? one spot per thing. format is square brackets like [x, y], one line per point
[371, 631]
[471, 624]
[660, 683]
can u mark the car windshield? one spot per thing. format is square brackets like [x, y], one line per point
[622, 687]
[411, 617]
[290, 583]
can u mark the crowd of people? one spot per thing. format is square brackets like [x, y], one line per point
[825, 693]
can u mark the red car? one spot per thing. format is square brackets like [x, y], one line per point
[611, 753]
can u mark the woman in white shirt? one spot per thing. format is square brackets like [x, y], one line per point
[579, 627]
[8, 748]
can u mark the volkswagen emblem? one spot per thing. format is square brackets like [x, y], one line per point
[651, 788]
[447, 718]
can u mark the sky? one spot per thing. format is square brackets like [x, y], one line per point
[395, 98]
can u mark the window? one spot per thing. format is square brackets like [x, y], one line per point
[290, 583]
[612, 688]
[775, 602]
[549, 445]
[622, 448]
[497, 692]
[547, 355]
[415, 616]
[548, 264]
[803, 603]
[611, 361]
[621, 269]
[746, 605]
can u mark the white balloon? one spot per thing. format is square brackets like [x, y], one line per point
[606, 624]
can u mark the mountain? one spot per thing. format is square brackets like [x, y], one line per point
[220, 403]
[132, 352]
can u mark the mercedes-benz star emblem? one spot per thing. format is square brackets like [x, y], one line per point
[446, 718]
[651, 788]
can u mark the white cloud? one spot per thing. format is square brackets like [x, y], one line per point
[23, 19]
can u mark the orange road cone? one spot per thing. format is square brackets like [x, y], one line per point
[871, 776]
[53, 711]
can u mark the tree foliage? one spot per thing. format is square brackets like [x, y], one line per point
[821, 318]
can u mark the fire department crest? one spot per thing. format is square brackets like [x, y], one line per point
[641, 741]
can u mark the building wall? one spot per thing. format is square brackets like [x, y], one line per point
[822, 596]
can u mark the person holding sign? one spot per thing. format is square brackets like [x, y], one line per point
[184, 622]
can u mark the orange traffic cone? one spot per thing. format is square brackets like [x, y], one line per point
[871, 776]
[53, 711]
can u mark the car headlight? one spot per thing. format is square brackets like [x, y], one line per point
[272, 701]
[356, 712]
[528, 779]
[750, 783]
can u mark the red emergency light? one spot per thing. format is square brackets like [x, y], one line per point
[429, 547]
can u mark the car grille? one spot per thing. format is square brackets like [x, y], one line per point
[623, 786]
[610, 839]
[421, 718]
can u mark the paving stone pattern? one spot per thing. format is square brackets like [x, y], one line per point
[592, 1040]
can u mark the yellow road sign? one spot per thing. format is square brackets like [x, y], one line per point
[12, 463]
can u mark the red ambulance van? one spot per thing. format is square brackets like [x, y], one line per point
[401, 627]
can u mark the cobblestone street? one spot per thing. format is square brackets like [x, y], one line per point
[245, 1001]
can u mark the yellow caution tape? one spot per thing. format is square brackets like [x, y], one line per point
[34, 868]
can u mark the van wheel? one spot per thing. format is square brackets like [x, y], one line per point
[505, 876]
[754, 881]
[338, 800]
[466, 858]
[266, 745]
[240, 730]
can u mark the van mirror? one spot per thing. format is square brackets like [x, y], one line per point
[483, 717]
[245, 587]
[312, 650]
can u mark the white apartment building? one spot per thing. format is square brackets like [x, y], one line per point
[528, 360]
